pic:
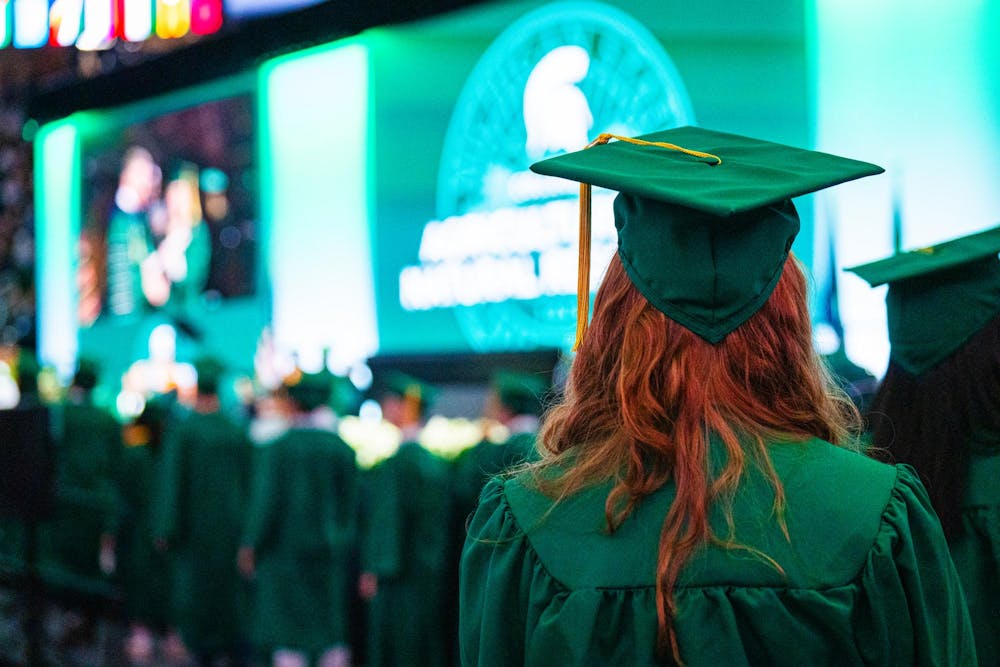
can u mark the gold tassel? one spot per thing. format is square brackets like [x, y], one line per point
[583, 270]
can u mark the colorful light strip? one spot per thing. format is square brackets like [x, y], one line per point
[96, 24]
[6, 22]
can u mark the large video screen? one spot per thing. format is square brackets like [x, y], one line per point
[169, 223]
[149, 224]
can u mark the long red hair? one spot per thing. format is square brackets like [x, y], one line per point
[645, 394]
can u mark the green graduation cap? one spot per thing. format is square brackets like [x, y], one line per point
[87, 373]
[938, 297]
[210, 371]
[310, 390]
[704, 218]
[407, 387]
[521, 393]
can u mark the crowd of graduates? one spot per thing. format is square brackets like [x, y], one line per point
[258, 537]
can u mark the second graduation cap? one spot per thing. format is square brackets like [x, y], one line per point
[938, 297]
[704, 218]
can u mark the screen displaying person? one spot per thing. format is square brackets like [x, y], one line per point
[185, 250]
[134, 277]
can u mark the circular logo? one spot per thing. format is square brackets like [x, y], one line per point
[502, 252]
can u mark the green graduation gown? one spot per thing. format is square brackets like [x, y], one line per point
[976, 550]
[205, 485]
[302, 526]
[405, 546]
[142, 571]
[470, 473]
[87, 449]
[867, 575]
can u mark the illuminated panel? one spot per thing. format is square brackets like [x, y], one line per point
[315, 168]
[98, 25]
[57, 202]
[173, 18]
[928, 115]
[499, 259]
[6, 16]
[31, 23]
[65, 21]
[206, 16]
[136, 19]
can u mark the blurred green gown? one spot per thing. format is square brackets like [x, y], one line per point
[142, 571]
[867, 575]
[302, 526]
[406, 547]
[976, 549]
[87, 505]
[205, 486]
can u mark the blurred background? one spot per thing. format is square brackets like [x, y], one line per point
[343, 186]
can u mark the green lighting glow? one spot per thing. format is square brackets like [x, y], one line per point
[315, 168]
[914, 91]
[57, 221]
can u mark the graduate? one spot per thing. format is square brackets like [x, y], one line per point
[699, 500]
[79, 540]
[404, 552]
[938, 406]
[300, 532]
[205, 485]
[514, 400]
[141, 569]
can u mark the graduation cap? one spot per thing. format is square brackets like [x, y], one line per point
[704, 218]
[938, 296]
[210, 371]
[310, 390]
[407, 387]
[87, 373]
[521, 393]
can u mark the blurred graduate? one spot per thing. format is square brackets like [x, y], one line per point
[405, 543]
[142, 570]
[78, 541]
[205, 486]
[300, 532]
[514, 401]
[938, 406]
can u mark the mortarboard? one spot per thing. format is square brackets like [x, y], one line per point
[310, 390]
[210, 371]
[86, 375]
[407, 387]
[704, 218]
[938, 296]
[522, 393]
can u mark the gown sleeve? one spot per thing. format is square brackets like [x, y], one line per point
[915, 609]
[496, 575]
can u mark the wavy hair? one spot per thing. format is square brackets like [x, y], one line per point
[645, 395]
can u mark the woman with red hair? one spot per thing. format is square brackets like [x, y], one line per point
[699, 499]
